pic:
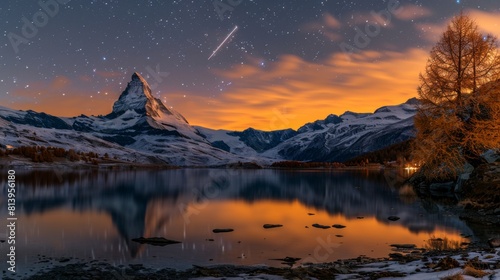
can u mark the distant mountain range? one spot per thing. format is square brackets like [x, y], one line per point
[142, 129]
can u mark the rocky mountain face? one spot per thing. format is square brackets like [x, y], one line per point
[141, 128]
[336, 138]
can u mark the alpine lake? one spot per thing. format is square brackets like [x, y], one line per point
[316, 216]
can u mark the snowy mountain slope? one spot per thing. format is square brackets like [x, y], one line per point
[139, 124]
[355, 134]
[15, 135]
[141, 128]
[249, 142]
[336, 138]
[227, 142]
[32, 118]
[138, 112]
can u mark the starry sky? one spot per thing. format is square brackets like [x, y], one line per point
[278, 64]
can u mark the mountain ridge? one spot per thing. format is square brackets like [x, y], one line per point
[141, 125]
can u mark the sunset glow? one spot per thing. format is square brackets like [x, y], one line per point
[239, 88]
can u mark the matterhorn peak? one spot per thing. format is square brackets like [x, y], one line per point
[134, 97]
[137, 97]
[138, 80]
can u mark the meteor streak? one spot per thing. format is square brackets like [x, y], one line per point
[221, 44]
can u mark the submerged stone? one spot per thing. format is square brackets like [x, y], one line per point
[320, 226]
[221, 230]
[266, 226]
[155, 241]
[404, 246]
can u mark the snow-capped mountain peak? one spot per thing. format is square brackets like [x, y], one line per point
[141, 128]
[138, 97]
[134, 97]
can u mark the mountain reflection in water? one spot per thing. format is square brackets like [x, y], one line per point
[94, 214]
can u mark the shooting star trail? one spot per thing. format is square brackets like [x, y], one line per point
[221, 44]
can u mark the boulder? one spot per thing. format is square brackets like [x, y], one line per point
[494, 242]
[442, 189]
[464, 176]
[490, 156]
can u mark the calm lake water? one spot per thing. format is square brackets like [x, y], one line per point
[95, 214]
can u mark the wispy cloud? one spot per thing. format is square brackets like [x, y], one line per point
[328, 26]
[487, 21]
[412, 12]
[296, 91]
[61, 97]
[285, 93]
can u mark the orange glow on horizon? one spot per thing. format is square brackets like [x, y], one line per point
[286, 93]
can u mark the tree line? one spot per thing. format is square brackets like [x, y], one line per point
[49, 154]
[400, 153]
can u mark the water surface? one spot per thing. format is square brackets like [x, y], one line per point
[93, 215]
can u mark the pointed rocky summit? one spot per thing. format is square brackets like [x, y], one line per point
[137, 96]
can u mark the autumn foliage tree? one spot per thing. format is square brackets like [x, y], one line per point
[459, 115]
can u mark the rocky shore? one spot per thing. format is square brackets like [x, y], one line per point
[474, 195]
[458, 264]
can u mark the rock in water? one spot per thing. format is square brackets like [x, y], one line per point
[396, 256]
[404, 246]
[440, 189]
[338, 226]
[266, 226]
[287, 260]
[221, 230]
[494, 242]
[393, 218]
[155, 241]
[320, 226]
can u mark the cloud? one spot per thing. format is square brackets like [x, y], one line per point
[383, 17]
[110, 74]
[412, 12]
[292, 91]
[60, 97]
[286, 93]
[431, 32]
[328, 26]
[488, 21]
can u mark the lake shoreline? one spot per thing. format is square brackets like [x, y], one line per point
[428, 265]
[362, 266]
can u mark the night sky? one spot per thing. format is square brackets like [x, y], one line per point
[286, 62]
